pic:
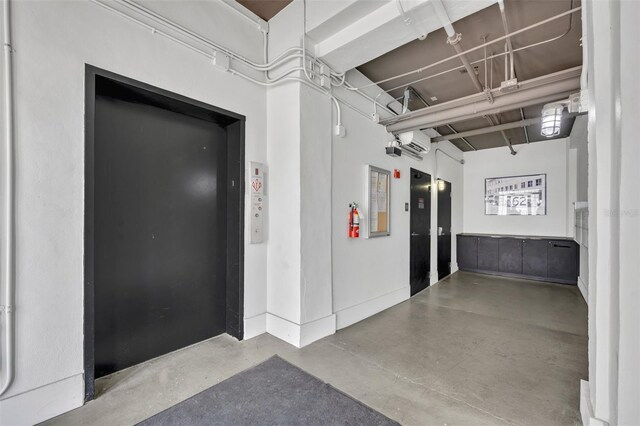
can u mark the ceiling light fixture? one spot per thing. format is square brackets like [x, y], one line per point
[552, 118]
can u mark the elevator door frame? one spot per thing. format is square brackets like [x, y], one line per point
[235, 125]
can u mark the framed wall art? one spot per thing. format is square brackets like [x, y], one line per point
[516, 195]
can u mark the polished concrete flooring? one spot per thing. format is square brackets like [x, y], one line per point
[471, 350]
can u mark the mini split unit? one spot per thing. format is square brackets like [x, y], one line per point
[415, 144]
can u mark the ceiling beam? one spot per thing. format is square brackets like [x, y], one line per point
[350, 33]
[497, 128]
[551, 87]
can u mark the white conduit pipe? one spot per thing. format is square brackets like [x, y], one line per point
[473, 49]
[8, 228]
[185, 31]
[271, 81]
[306, 83]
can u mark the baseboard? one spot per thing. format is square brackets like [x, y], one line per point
[300, 335]
[354, 314]
[255, 326]
[316, 330]
[584, 289]
[43, 403]
[586, 410]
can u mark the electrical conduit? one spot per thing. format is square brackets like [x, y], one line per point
[8, 229]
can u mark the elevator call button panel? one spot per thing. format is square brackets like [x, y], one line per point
[256, 184]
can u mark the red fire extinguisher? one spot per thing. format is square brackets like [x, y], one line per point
[354, 221]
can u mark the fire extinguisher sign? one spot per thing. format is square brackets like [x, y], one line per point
[256, 183]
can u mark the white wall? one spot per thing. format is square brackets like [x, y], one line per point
[370, 275]
[53, 41]
[550, 157]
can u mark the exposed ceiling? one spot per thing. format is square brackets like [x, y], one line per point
[557, 55]
[266, 9]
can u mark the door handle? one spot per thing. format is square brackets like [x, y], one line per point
[413, 234]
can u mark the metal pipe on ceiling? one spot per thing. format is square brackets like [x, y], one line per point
[508, 43]
[473, 49]
[545, 80]
[472, 107]
[526, 132]
[454, 40]
[506, 126]
[455, 132]
[493, 129]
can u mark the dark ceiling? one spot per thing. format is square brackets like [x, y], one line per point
[266, 9]
[557, 55]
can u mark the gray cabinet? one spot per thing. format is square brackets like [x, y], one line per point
[467, 250]
[538, 258]
[488, 255]
[510, 255]
[534, 258]
[562, 260]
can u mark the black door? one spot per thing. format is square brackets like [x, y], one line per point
[160, 238]
[444, 228]
[420, 226]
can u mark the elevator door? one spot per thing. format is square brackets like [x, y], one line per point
[444, 228]
[160, 238]
[420, 249]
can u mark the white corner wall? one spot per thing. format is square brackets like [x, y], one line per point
[550, 157]
[53, 41]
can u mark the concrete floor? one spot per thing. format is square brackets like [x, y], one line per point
[471, 350]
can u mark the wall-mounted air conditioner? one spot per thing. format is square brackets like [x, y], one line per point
[415, 141]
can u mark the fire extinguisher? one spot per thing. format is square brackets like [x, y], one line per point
[354, 221]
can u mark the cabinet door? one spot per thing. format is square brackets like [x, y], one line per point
[510, 255]
[534, 258]
[467, 252]
[488, 254]
[562, 260]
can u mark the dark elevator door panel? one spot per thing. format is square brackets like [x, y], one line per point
[444, 230]
[160, 235]
[510, 255]
[562, 260]
[420, 245]
[488, 254]
[534, 258]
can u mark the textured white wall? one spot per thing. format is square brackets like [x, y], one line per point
[53, 41]
[548, 157]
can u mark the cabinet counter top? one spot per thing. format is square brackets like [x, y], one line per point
[530, 237]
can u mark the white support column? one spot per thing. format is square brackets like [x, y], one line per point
[299, 123]
[614, 218]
